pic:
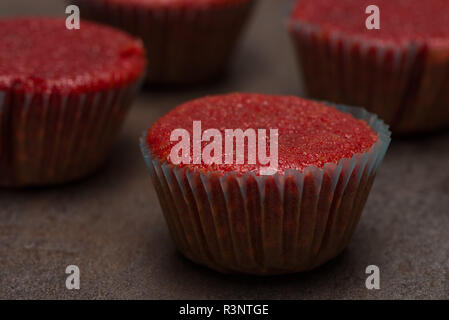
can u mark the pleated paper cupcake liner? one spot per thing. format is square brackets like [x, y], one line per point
[405, 84]
[53, 138]
[267, 225]
[184, 45]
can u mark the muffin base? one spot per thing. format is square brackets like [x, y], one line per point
[266, 225]
[53, 138]
[184, 45]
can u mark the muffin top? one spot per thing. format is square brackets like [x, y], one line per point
[309, 133]
[178, 3]
[42, 55]
[401, 21]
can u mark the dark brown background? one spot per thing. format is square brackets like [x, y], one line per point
[111, 225]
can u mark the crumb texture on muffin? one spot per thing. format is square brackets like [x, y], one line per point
[310, 133]
[401, 20]
[41, 54]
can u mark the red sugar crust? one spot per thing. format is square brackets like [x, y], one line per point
[310, 133]
[41, 54]
[402, 21]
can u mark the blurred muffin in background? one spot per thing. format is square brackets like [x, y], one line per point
[64, 95]
[187, 41]
[400, 72]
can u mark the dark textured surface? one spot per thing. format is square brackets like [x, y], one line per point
[111, 225]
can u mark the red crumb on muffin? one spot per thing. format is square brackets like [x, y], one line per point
[401, 20]
[310, 133]
[41, 54]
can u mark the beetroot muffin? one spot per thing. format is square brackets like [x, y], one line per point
[229, 217]
[63, 97]
[400, 72]
[187, 41]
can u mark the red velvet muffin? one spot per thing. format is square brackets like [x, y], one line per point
[63, 97]
[187, 41]
[400, 72]
[232, 218]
